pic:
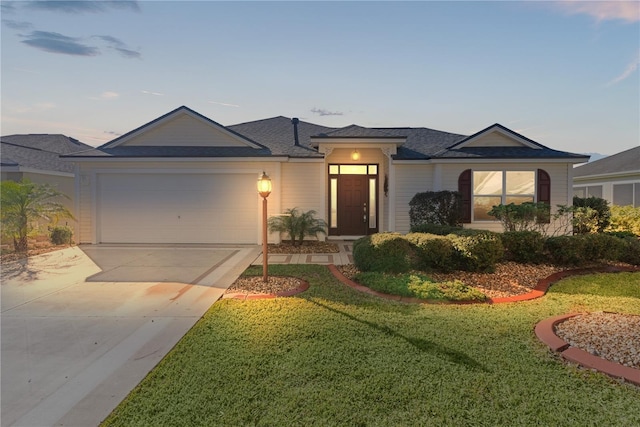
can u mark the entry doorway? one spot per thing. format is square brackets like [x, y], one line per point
[353, 200]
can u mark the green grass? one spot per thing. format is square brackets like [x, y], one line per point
[417, 285]
[335, 357]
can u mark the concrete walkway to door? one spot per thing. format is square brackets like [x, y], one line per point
[345, 256]
[81, 327]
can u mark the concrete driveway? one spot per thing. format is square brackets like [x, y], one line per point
[82, 326]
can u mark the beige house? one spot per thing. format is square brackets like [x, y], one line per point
[614, 178]
[183, 178]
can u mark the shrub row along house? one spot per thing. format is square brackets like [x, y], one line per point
[183, 178]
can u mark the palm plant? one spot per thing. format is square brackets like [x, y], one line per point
[297, 225]
[23, 204]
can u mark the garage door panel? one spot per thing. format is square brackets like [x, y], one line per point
[177, 208]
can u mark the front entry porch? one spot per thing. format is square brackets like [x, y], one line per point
[353, 199]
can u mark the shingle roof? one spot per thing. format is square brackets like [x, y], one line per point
[625, 161]
[276, 136]
[55, 143]
[40, 151]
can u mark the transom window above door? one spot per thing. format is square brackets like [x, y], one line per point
[353, 169]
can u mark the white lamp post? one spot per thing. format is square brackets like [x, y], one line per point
[264, 189]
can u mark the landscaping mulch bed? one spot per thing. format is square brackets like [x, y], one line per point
[255, 285]
[11, 256]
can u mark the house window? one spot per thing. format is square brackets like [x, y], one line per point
[626, 194]
[491, 188]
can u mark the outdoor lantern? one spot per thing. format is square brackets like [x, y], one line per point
[355, 155]
[264, 185]
[264, 189]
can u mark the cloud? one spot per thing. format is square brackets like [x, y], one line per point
[108, 95]
[119, 46]
[78, 6]
[628, 11]
[631, 68]
[323, 112]
[224, 104]
[16, 25]
[58, 43]
[7, 7]
[152, 93]
[111, 132]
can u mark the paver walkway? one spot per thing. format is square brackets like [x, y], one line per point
[345, 256]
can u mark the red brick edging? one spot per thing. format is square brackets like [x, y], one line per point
[304, 285]
[540, 289]
[545, 331]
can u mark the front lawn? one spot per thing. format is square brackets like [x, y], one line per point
[333, 356]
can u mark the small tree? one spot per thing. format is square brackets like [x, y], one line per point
[297, 225]
[591, 215]
[23, 204]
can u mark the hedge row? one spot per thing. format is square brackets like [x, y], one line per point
[396, 253]
[474, 250]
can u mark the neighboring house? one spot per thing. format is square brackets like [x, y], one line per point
[615, 178]
[183, 178]
[37, 158]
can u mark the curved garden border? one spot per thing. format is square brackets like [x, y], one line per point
[540, 289]
[304, 285]
[545, 331]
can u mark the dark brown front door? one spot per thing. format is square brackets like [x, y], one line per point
[353, 212]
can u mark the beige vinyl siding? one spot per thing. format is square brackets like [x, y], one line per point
[494, 139]
[303, 186]
[90, 172]
[185, 130]
[410, 179]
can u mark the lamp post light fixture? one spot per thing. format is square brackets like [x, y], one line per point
[355, 155]
[264, 189]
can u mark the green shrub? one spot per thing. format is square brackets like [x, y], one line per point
[384, 252]
[478, 252]
[523, 246]
[630, 252]
[565, 250]
[435, 207]
[527, 216]
[438, 229]
[601, 246]
[433, 252]
[587, 221]
[61, 235]
[625, 219]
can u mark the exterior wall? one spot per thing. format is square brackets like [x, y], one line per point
[10, 176]
[184, 131]
[410, 179]
[494, 139]
[89, 173]
[607, 184]
[303, 186]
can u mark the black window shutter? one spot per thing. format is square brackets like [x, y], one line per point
[464, 188]
[544, 191]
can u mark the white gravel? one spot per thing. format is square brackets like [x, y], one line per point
[612, 336]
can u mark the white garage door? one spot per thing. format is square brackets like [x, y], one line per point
[177, 208]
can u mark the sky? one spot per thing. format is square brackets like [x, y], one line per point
[563, 73]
